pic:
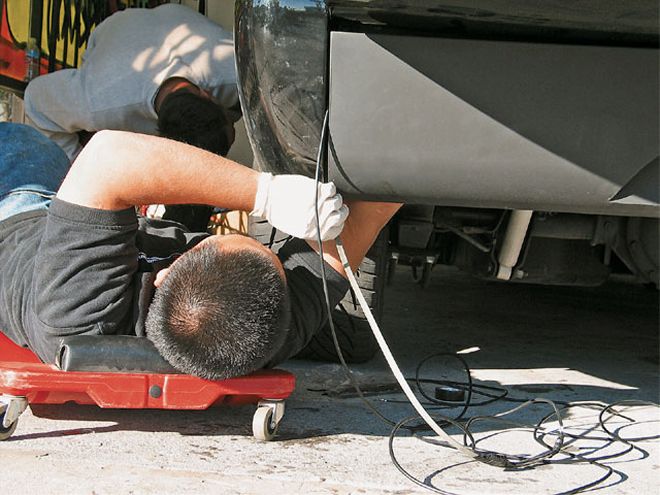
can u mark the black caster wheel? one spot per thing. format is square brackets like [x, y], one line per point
[6, 431]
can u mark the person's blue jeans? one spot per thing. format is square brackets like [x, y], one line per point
[32, 168]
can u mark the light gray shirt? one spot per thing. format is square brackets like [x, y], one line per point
[128, 56]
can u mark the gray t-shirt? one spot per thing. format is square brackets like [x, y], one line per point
[128, 57]
[74, 270]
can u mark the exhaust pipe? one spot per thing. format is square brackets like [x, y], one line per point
[513, 242]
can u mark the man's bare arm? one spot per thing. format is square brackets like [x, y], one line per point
[363, 225]
[117, 170]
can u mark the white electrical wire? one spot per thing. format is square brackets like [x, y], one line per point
[370, 317]
[396, 371]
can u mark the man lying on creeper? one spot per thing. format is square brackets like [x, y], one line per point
[81, 262]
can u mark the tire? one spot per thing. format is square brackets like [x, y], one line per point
[353, 333]
[194, 217]
[263, 232]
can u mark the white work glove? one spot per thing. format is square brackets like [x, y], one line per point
[287, 202]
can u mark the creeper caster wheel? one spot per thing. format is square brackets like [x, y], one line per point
[10, 409]
[5, 433]
[267, 419]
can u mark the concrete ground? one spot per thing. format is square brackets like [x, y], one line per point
[565, 344]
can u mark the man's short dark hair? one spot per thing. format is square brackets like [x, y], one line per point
[196, 120]
[219, 313]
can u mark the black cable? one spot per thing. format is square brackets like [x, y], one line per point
[526, 462]
[326, 294]
[271, 241]
[403, 424]
[468, 387]
[616, 435]
[580, 458]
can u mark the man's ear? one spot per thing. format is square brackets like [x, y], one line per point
[160, 276]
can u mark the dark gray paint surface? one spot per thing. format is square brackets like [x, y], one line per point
[494, 124]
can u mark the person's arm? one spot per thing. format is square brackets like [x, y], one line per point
[363, 225]
[55, 106]
[117, 170]
[304, 274]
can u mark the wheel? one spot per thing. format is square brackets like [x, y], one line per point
[263, 232]
[194, 217]
[263, 427]
[354, 335]
[6, 432]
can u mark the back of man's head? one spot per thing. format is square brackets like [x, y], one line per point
[219, 313]
[196, 120]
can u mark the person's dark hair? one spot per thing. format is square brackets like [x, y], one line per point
[219, 313]
[194, 119]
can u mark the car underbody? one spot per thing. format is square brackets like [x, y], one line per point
[523, 139]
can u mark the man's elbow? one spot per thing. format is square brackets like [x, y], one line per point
[102, 141]
[101, 152]
[93, 173]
